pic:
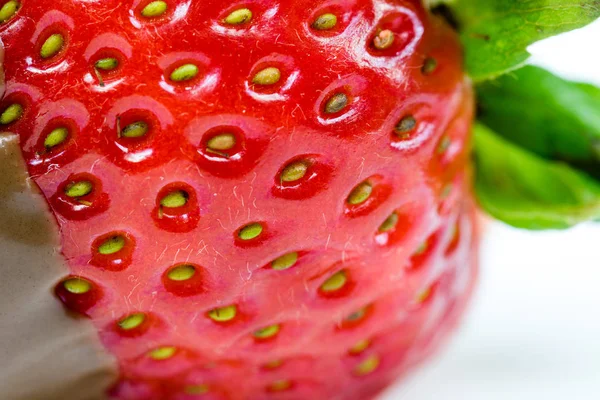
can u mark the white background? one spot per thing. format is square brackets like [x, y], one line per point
[533, 330]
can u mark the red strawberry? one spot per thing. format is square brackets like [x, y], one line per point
[257, 199]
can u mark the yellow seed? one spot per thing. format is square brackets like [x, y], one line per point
[181, 273]
[335, 282]
[325, 22]
[268, 76]
[421, 249]
[424, 295]
[52, 46]
[184, 73]
[389, 224]
[132, 321]
[444, 144]
[56, 137]
[267, 332]
[336, 103]
[107, 64]
[251, 231]
[360, 194]
[273, 364]
[294, 171]
[135, 130]
[405, 126]
[360, 346]
[223, 314]
[280, 385]
[11, 114]
[162, 353]
[429, 66]
[454, 232]
[112, 245]
[224, 141]
[79, 189]
[284, 262]
[239, 17]
[77, 285]
[154, 9]
[446, 191]
[367, 366]
[357, 315]
[384, 40]
[8, 10]
[196, 389]
[175, 199]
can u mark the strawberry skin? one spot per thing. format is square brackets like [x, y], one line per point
[256, 199]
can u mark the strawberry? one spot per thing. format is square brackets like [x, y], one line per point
[255, 199]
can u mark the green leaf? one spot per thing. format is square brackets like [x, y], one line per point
[554, 118]
[528, 191]
[496, 33]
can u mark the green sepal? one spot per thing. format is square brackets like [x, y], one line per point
[525, 190]
[549, 116]
[496, 33]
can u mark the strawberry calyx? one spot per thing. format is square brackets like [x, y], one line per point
[534, 170]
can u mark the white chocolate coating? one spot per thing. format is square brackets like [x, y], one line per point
[45, 354]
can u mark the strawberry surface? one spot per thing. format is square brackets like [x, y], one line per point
[256, 199]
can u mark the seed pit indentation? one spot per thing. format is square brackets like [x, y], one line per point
[177, 209]
[184, 280]
[80, 197]
[113, 251]
[78, 294]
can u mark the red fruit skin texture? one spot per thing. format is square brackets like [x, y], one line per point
[401, 297]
